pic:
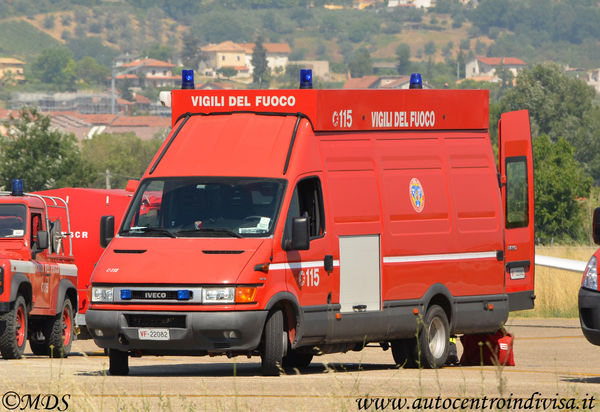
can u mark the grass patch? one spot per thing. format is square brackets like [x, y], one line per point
[18, 38]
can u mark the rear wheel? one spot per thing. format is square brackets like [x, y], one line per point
[14, 335]
[272, 347]
[59, 332]
[434, 338]
[404, 352]
[118, 362]
[295, 359]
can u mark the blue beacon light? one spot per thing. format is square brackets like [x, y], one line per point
[17, 187]
[305, 78]
[416, 81]
[187, 79]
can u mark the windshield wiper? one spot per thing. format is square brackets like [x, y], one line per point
[209, 230]
[153, 230]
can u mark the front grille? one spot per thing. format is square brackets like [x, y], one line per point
[155, 321]
[155, 295]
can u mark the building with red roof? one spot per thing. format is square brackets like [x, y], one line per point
[147, 73]
[485, 67]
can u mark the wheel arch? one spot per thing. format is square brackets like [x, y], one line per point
[439, 294]
[292, 314]
[66, 290]
[20, 285]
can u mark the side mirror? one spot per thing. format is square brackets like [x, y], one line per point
[596, 226]
[132, 185]
[107, 230]
[300, 234]
[42, 240]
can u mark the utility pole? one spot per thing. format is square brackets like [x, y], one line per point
[108, 179]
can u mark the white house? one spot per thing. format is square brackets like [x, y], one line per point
[485, 67]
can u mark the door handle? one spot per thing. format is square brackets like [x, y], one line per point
[328, 263]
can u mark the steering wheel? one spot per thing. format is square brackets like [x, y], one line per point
[252, 218]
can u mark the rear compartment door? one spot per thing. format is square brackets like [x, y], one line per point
[516, 170]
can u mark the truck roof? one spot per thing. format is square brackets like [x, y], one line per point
[225, 145]
[348, 110]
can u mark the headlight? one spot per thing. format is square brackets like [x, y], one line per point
[100, 294]
[590, 275]
[218, 295]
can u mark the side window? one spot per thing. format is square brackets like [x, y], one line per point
[307, 200]
[36, 225]
[517, 191]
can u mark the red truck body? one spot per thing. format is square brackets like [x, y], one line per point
[292, 220]
[46, 257]
[86, 206]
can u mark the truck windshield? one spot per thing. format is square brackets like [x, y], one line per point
[13, 219]
[204, 207]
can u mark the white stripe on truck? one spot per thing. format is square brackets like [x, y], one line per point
[20, 266]
[445, 256]
[300, 265]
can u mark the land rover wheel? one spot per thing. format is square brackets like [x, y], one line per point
[295, 359]
[38, 348]
[59, 332]
[434, 338]
[14, 335]
[272, 344]
[118, 362]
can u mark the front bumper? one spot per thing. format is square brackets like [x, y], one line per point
[589, 314]
[197, 333]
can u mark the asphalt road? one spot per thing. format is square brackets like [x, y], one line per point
[553, 360]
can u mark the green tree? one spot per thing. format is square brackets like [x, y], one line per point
[56, 67]
[403, 58]
[89, 71]
[559, 182]
[430, 48]
[43, 157]
[261, 73]
[124, 155]
[190, 51]
[159, 52]
[559, 106]
[361, 64]
[227, 72]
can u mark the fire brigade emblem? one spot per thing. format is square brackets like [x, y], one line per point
[417, 196]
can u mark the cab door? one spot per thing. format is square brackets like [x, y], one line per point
[41, 277]
[516, 170]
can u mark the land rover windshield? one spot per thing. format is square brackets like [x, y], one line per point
[13, 219]
[204, 207]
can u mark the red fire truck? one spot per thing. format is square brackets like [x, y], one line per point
[40, 275]
[289, 223]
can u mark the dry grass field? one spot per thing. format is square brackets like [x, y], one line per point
[556, 290]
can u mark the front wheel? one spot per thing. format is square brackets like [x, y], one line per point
[434, 338]
[59, 332]
[272, 347]
[14, 335]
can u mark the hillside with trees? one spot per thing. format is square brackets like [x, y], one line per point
[69, 45]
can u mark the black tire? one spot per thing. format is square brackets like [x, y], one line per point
[405, 353]
[272, 344]
[59, 332]
[118, 362]
[39, 348]
[295, 359]
[434, 339]
[13, 330]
